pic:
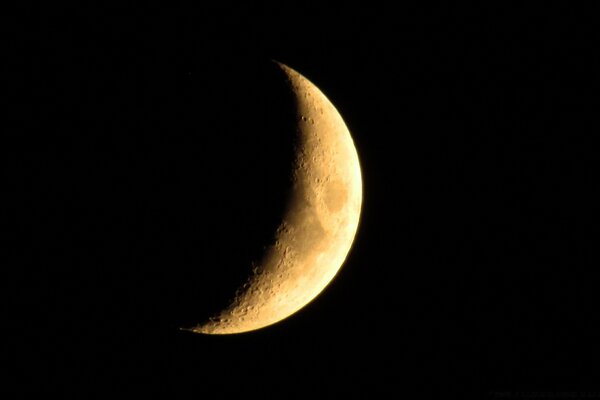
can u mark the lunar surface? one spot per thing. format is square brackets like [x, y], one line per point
[319, 224]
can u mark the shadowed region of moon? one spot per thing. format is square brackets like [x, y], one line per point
[160, 201]
[229, 159]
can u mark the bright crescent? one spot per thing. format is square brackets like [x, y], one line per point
[319, 224]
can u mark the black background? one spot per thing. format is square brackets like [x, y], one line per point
[145, 165]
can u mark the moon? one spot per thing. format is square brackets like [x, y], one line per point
[318, 226]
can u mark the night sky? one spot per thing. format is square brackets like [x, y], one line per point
[145, 165]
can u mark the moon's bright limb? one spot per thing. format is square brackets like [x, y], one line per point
[319, 224]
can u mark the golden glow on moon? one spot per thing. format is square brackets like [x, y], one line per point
[319, 224]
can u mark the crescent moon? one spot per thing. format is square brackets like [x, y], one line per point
[319, 224]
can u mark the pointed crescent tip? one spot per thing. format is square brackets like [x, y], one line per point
[283, 67]
[277, 62]
[192, 330]
[290, 73]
